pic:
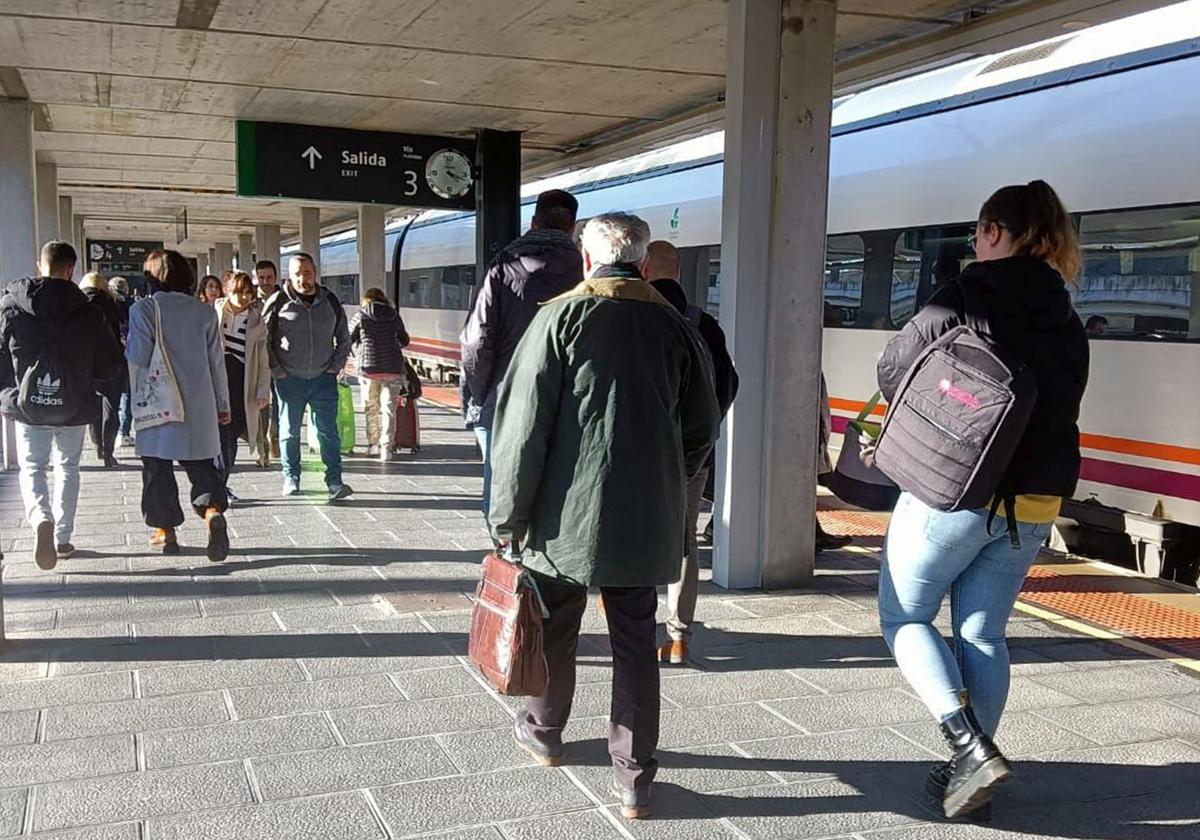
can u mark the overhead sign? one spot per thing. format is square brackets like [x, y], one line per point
[123, 256]
[282, 160]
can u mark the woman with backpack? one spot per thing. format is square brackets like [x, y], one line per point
[378, 337]
[1016, 295]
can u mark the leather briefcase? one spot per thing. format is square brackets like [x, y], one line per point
[506, 643]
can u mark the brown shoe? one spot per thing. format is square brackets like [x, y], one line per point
[44, 553]
[165, 538]
[674, 652]
[218, 535]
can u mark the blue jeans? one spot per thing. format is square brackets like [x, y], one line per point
[321, 394]
[483, 435]
[125, 414]
[929, 553]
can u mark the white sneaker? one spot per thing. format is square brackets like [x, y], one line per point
[126, 441]
[372, 451]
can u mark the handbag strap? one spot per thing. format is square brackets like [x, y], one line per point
[870, 407]
[526, 578]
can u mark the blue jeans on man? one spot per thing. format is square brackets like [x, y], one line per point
[321, 395]
[483, 438]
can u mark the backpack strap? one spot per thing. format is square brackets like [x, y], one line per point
[972, 312]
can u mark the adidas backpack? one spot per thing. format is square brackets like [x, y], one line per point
[48, 393]
[956, 420]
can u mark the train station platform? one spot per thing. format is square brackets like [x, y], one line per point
[315, 685]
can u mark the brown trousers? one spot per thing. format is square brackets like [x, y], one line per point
[634, 714]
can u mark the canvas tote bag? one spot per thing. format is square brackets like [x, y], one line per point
[156, 397]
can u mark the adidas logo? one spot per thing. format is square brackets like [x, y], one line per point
[47, 392]
[48, 387]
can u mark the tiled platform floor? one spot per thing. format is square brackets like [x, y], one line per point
[315, 686]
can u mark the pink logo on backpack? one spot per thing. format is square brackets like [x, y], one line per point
[959, 394]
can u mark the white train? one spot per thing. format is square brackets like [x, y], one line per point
[1116, 138]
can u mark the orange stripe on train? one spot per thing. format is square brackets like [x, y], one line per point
[1103, 443]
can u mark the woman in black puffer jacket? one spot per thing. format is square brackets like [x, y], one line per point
[1026, 253]
[378, 337]
[104, 430]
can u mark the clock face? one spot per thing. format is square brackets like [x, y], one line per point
[449, 173]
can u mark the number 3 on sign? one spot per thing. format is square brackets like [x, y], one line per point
[410, 182]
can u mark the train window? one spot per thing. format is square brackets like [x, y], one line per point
[844, 256]
[924, 260]
[448, 287]
[906, 276]
[1141, 273]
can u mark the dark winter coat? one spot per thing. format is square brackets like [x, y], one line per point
[110, 308]
[1029, 312]
[32, 311]
[531, 269]
[377, 335]
[714, 338]
[607, 409]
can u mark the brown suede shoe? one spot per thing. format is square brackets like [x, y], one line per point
[165, 538]
[218, 535]
[674, 652]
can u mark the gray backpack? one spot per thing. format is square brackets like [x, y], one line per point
[956, 420]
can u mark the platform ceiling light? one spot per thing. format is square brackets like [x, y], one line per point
[1075, 25]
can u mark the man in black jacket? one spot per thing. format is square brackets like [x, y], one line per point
[662, 272]
[54, 350]
[531, 269]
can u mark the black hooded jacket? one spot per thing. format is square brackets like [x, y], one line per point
[1029, 312]
[28, 310]
[531, 269]
[377, 335]
[714, 337]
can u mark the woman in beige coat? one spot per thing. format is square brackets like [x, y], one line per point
[244, 334]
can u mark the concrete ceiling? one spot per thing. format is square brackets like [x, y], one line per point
[136, 99]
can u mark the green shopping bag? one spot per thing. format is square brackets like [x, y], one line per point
[345, 423]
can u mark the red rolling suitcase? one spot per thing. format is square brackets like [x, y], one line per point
[408, 425]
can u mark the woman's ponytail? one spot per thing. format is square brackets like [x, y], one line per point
[1039, 224]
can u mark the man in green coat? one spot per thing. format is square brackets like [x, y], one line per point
[607, 408]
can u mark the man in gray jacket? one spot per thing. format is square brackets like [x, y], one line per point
[308, 343]
[531, 269]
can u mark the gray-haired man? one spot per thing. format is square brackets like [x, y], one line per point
[607, 408]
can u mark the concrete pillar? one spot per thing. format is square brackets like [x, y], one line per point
[79, 240]
[66, 220]
[246, 253]
[47, 202]
[211, 266]
[266, 243]
[18, 205]
[779, 84]
[310, 234]
[222, 258]
[370, 248]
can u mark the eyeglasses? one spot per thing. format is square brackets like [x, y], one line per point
[973, 238]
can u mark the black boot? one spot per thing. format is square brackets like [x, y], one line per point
[976, 767]
[935, 786]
